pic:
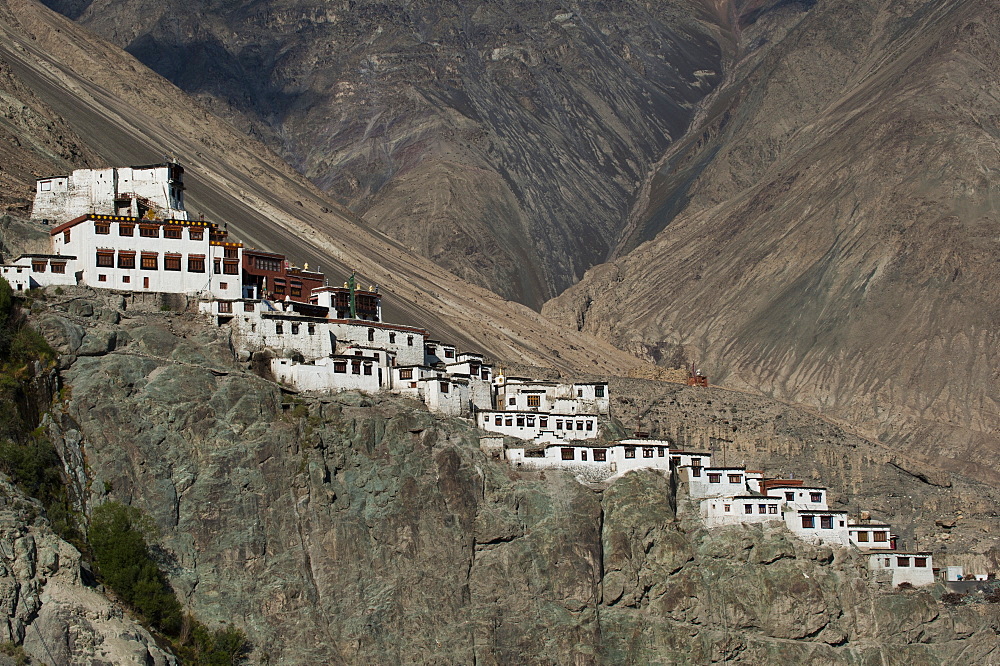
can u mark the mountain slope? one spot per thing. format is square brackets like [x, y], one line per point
[828, 235]
[504, 140]
[129, 115]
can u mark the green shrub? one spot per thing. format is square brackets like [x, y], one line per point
[117, 537]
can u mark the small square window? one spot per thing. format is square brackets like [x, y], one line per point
[630, 452]
[748, 508]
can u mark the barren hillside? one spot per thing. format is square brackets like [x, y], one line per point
[828, 234]
[126, 114]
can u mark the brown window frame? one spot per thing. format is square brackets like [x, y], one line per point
[567, 453]
[147, 231]
[171, 262]
[534, 400]
[445, 387]
[58, 267]
[149, 261]
[826, 522]
[175, 233]
[102, 228]
[340, 367]
[815, 497]
[630, 452]
[105, 259]
[407, 373]
[808, 522]
[735, 478]
[600, 455]
[196, 234]
[880, 537]
[39, 266]
[126, 229]
[126, 259]
[715, 477]
[196, 263]
[861, 536]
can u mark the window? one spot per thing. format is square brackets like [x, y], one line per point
[762, 508]
[312, 329]
[171, 262]
[66, 236]
[126, 229]
[46, 186]
[696, 471]
[695, 462]
[772, 508]
[735, 478]
[279, 328]
[520, 421]
[727, 507]
[600, 455]
[196, 234]
[647, 452]
[675, 461]
[392, 338]
[217, 269]
[511, 401]
[102, 228]
[265, 264]
[145, 283]
[714, 477]
[862, 537]
[39, 266]
[368, 368]
[126, 259]
[340, 367]
[295, 328]
[355, 367]
[371, 335]
[223, 285]
[531, 421]
[508, 421]
[449, 353]
[104, 278]
[126, 279]
[583, 454]
[498, 420]
[815, 497]
[569, 425]
[58, 266]
[409, 341]
[748, 508]
[590, 426]
[920, 562]
[248, 306]
[233, 268]
[826, 522]
[599, 391]
[148, 261]
[444, 389]
[902, 561]
[567, 453]
[808, 522]
[534, 401]
[660, 450]
[880, 536]
[630, 452]
[196, 263]
[148, 231]
[408, 374]
[543, 422]
[579, 393]
[789, 497]
[225, 307]
[105, 259]
[172, 232]
[231, 253]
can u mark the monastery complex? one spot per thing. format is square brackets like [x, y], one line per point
[126, 229]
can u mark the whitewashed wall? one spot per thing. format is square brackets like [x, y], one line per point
[912, 574]
[719, 511]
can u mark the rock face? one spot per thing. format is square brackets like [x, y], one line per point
[46, 606]
[503, 140]
[822, 237]
[360, 529]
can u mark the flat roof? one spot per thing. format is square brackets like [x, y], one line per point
[818, 511]
[779, 487]
[45, 256]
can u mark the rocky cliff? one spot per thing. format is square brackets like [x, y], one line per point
[364, 529]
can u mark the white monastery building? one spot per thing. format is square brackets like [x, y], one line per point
[126, 229]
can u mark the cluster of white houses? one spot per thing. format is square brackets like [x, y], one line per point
[126, 229]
